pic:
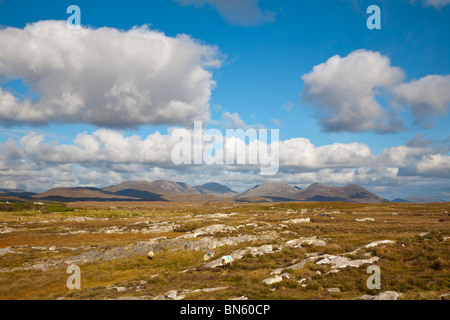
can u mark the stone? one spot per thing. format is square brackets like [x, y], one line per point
[309, 241]
[387, 295]
[298, 220]
[334, 290]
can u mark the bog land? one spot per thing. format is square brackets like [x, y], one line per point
[280, 250]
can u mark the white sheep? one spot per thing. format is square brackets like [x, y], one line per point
[208, 256]
[227, 261]
[150, 255]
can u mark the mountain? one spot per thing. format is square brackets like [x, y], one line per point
[15, 193]
[399, 200]
[350, 193]
[315, 192]
[164, 190]
[81, 194]
[419, 199]
[216, 189]
[151, 190]
[273, 191]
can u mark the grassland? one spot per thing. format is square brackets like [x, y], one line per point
[37, 245]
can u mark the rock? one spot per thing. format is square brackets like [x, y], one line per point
[240, 298]
[298, 220]
[423, 234]
[119, 289]
[377, 243]
[334, 290]
[387, 295]
[85, 257]
[445, 296]
[339, 262]
[310, 241]
[276, 279]
[173, 294]
[365, 219]
[261, 250]
[6, 250]
[363, 297]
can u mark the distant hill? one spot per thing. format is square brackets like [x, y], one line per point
[315, 192]
[80, 194]
[419, 199]
[165, 190]
[216, 189]
[399, 200]
[350, 193]
[273, 191]
[15, 193]
[152, 189]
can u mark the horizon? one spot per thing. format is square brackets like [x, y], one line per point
[238, 192]
[98, 103]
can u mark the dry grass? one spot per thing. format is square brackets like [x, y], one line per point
[418, 267]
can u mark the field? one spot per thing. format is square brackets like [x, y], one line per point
[281, 250]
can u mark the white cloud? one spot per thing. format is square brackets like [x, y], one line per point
[426, 97]
[105, 157]
[435, 165]
[344, 91]
[102, 146]
[239, 12]
[232, 121]
[288, 106]
[436, 3]
[105, 76]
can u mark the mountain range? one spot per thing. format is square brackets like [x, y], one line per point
[164, 190]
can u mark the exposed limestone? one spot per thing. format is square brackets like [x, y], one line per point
[339, 262]
[181, 294]
[6, 250]
[276, 279]
[309, 241]
[386, 295]
[298, 220]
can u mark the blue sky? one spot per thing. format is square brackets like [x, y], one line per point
[265, 49]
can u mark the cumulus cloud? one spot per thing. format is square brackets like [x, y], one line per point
[301, 153]
[436, 3]
[101, 146]
[419, 141]
[238, 12]
[105, 76]
[426, 97]
[104, 157]
[344, 91]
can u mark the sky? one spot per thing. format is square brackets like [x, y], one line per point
[96, 105]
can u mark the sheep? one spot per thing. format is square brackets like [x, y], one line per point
[227, 261]
[150, 255]
[209, 255]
